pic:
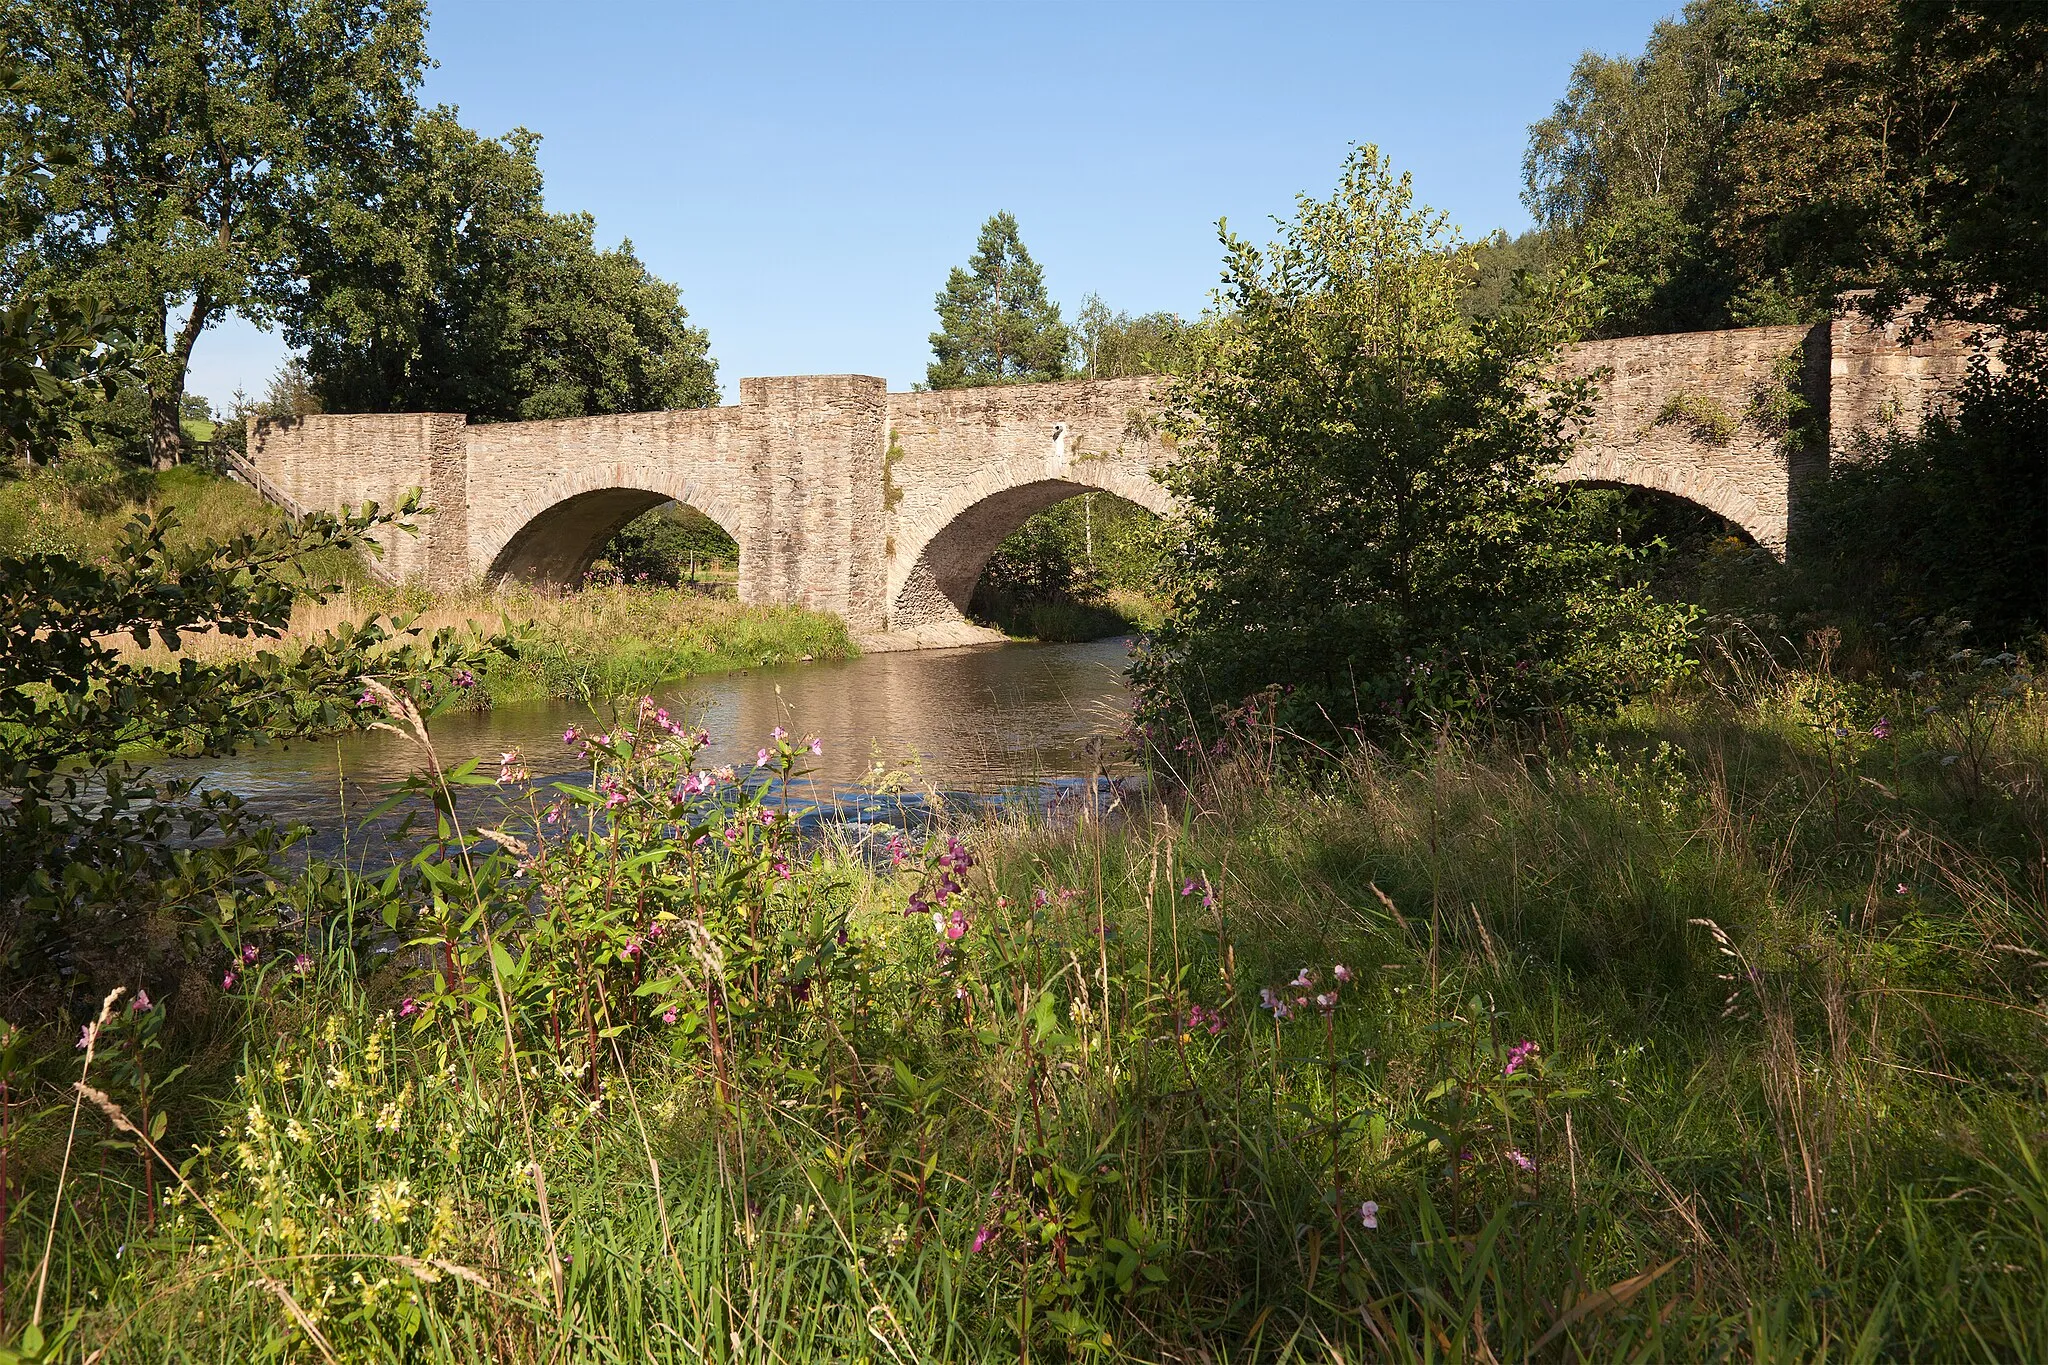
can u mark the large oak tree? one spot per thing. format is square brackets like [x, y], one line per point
[211, 134]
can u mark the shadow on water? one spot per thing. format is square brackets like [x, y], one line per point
[906, 736]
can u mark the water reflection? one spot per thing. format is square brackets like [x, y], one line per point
[984, 720]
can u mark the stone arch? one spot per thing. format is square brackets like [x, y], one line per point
[554, 534]
[937, 560]
[1761, 513]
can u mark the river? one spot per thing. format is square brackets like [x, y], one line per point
[1016, 721]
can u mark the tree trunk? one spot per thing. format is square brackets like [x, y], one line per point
[166, 427]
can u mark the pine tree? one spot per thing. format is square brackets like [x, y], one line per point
[996, 325]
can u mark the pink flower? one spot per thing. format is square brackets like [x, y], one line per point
[982, 1237]
[1187, 888]
[302, 964]
[1342, 973]
[1520, 1160]
[778, 733]
[817, 746]
[140, 1004]
[1369, 1213]
[781, 869]
[464, 678]
[668, 1016]
[1519, 1055]
[227, 983]
[765, 816]
[248, 954]
[569, 735]
[1881, 730]
[761, 757]
[408, 1007]
[630, 951]
[86, 1035]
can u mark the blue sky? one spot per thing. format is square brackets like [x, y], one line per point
[808, 173]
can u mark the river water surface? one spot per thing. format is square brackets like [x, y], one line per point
[1014, 720]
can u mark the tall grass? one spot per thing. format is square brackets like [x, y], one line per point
[608, 639]
[1776, 946]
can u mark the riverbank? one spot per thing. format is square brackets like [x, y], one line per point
[601, 642]
[604, 641]
[1710, 1034]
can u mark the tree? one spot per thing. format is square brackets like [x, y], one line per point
[1366, 522]
[210, 132]
[996, 325]
[61, 356]
[1113, 345]
[462, 293]
[1623, 168]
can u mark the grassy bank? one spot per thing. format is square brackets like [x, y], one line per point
[1715, 1034]
[1098, 617]
[604, 641]
[607, 639]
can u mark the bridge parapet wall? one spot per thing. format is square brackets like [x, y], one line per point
[330, 462]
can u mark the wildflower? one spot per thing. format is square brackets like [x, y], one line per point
[464, 678]
[1902, 888]
[898, 1238]
[392, 1202]
[389, 1117]
[982, 1237]
[817, 746]
[778, 733]
[368, 698]
[297, 1132]
[140, 1004]
[765, 816]
[1515, 1156]
[248, 954]
[1304, 980]
[1369, 1214]
[1187, 888]
[1268, 999]
[668, 1016]
[227, 983]
[1326, 1003]
[1881, 730]
[1518, 1056]
[302, 964]
[408, 1007]
[781, 869]
[630, 951]
[956, 927]
[511, 768]
[569, 735]
[761, 757]
[898, 850]
[1342, 973]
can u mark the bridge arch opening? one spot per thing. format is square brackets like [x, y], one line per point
[1689, 552]
[558, 545]
[940, 586]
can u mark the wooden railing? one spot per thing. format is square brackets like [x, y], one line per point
[240, 466]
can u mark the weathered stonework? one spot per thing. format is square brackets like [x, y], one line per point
[884, 507]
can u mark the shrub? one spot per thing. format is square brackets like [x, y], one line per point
[1368, 526]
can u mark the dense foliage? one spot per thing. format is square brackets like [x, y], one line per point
[461, 293]
[101, 865]
[1950, 521]
[1366, 521]
[997, 325]
[210, 137]
[1756, 161]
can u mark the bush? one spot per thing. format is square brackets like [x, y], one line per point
[1368, 524]
[1951, 520]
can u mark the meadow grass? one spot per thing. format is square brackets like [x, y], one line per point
[603, 640]
[1716, 1032]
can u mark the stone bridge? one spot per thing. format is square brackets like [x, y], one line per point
[884, 507]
